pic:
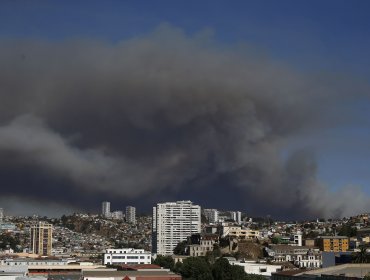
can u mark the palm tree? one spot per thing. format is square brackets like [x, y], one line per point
[361, 257]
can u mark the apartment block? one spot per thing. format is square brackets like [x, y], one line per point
[41, 238]
[332, 243]
[173, 222]
[131, 214]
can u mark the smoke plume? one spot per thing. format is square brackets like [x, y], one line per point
[165, 116]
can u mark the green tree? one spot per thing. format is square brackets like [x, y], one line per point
[178, 266]
[196, 268]
[276, 240]
[180, 248]
[254, 277]
[361, 257]
[348, 230]
[211, 256]
[8, 241]
[223, 270]
[165, 261]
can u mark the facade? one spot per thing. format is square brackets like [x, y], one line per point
[236, 216]
[297, 238]
[41, 239]
[117, 215]
[240, 233]
[200, 250]
[131, 214]
[303, 257]
[173, 222]
[33, 262]
[126, 256]
[211, 215]
[106, 209]
[1, 215]
[333, 243]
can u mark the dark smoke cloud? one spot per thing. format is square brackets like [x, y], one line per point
[164, 116]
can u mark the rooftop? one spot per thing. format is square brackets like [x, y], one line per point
[349, 270]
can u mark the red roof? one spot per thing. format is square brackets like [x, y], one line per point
[139, 266]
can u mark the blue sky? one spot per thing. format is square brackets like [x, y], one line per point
[322, 34]
[314, 36]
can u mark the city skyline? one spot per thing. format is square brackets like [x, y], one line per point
[257, 106]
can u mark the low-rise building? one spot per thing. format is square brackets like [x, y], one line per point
[240, 233]
[303, 257]
[126, 256]
[201, 244]
[252, 267]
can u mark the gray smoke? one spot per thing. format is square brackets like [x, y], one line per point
[161, 116]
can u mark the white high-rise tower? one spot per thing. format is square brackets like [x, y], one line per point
[173, 222]
[131, 214]
[106, 209]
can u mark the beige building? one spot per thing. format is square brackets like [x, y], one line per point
[240, 233]
[205, 245]
[41, 239]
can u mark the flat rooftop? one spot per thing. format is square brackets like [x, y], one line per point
[349, 270]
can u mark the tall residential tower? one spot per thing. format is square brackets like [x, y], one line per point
[41, 239]
[131, 214]
[173, 222]
[106, 209]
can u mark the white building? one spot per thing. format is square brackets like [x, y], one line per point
[173, 222]
[211, 215]
[205, 245]
[106, 209]
[236, 216]
[1, 215]
[298, 239]
[303, 257]
[127, 256]
[252, 267]
[131, 214]
[117, 215]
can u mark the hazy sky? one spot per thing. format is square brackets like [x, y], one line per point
[258, 106]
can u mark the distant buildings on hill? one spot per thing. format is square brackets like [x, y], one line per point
[130, 213]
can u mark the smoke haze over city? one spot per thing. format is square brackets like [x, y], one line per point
[170, 114]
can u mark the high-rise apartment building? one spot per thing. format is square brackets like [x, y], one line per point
[173, 222]
[211, 215]
[131, 214]
[106, 209]
[236, 216]
[41, 238]
[1, 215]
